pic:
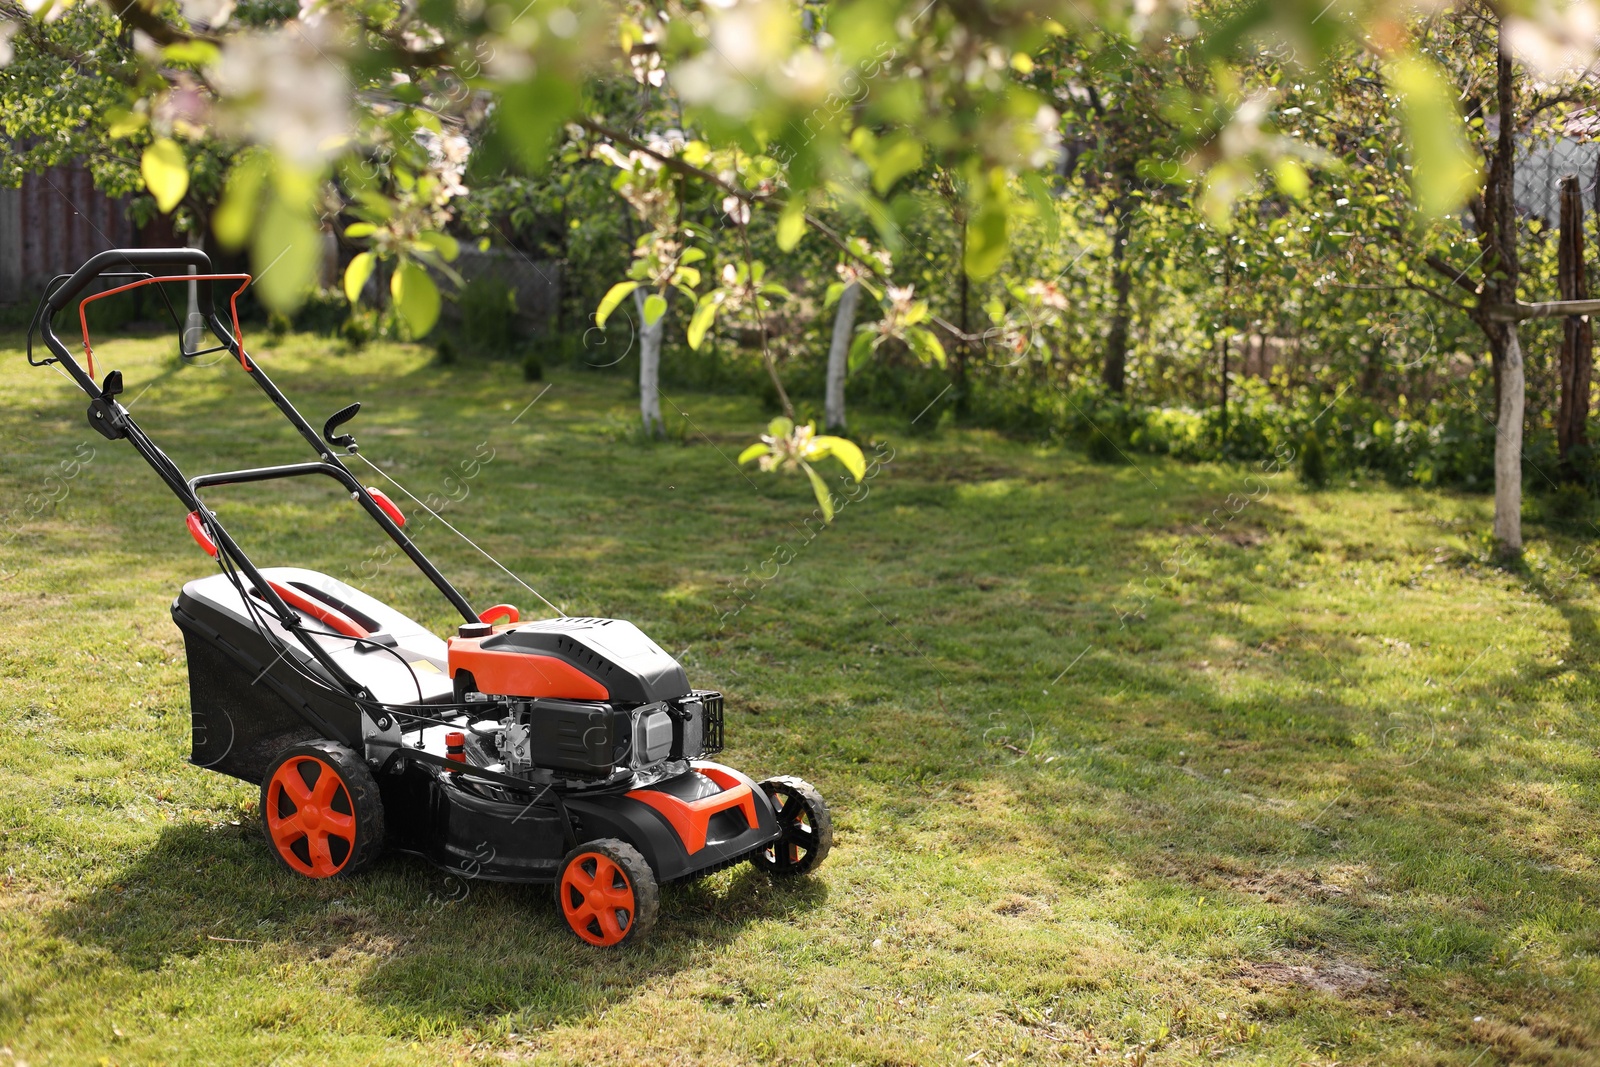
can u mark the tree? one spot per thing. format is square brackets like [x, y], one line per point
[1113, 97]
[1492, 280]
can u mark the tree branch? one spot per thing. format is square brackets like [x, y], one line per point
[135, 16]
[1549, 309]
[1456, 277]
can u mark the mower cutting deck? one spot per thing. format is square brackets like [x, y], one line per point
[570, 751]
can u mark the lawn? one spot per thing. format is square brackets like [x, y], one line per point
[1129, 764]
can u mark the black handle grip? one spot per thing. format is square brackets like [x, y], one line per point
[336, 420]
[116, 258]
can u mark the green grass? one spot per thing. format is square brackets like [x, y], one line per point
[1333, 797]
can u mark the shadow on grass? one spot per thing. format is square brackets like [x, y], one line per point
[436, 951]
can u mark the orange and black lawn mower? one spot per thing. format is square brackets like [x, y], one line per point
[570, 751]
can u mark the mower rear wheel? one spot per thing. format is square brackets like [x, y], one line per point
[321, 810]
[608, 893]
[804, 825]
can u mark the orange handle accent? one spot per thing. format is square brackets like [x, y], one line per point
[389, 508]
[338, 620]
[505, 611]
[197, 530]
[233, 307]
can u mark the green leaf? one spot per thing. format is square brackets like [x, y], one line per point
[897, 157]
[835, 291]
[416, 297]
[126, 123]
[754, 451]
[655, 306]
[166, 174]
[987, 228]
[357, 230]
[447, 247]
[356, 275]
[824, 498]
[614, 296]
[234, 215]
[1045, 202]
[531, 113]
[692, 255]
[287, 248]
[862, 347]
[926, 346]
[781, 426]
[1443, 169]
[704, 315]
[845, 451]
[791, 224]
[192, 53]
[1292, 178]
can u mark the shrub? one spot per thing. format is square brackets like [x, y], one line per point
[1313, 461]
[488, 315]
[356, 332]
[532, 368]
[325, 312]
[1568, 502]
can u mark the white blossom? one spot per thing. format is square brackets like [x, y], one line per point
[210, 13]
[284, 88]
[1558, 40]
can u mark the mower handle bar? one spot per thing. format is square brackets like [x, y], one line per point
[130, 257]
[117, 260]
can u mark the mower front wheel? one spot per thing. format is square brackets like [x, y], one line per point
[321, 810]
[804, 826]
[607, 893]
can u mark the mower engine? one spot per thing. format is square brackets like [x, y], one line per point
[581, 698]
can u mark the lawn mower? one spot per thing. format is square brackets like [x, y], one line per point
[567, 751]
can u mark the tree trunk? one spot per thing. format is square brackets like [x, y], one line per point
[1223, 438]
[1577, 340]
[1508, 446]
[194, 323]
[1374, 367]
[1509, 379]
[650, 369]
[844, 321]
[1114, 372]
[958, 352]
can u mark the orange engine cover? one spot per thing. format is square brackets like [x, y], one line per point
[509, 672]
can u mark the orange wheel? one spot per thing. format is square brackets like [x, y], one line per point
[321, 810]
[607, 893]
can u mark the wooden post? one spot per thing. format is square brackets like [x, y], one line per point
[1577, 337]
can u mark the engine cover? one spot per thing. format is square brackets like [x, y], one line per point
[567, 659]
